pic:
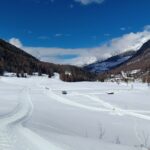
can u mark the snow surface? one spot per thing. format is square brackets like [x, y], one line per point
[35, 115]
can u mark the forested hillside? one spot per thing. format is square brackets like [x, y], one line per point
[13, 59]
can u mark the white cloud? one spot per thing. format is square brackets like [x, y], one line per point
[130, 41]
[44, 37]
[122, 28]
[86, 2]
[62, 35]
[16, 42]
[58, 35]
[71, 6]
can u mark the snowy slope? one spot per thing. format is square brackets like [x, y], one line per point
[87, 118]
[109, 63]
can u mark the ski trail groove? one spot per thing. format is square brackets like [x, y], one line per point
[8, 122]
[13, 135]
[107, 106]
[118, 110]
[54, 96]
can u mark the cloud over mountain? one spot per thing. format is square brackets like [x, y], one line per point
[81, 56]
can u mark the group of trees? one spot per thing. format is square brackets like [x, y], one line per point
[67, 72]
[103, 76]
[13, 59]
[72, 74]
[1, 67]
[146, 79]
[23, 66]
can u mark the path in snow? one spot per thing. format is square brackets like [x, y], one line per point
[13, 136]
[8, 122]
[117, 110]
[107, 106]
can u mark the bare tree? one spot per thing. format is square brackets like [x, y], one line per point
[117, 140]
[145, 139]
[101, 131]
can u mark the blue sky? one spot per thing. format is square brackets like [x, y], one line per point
[71, 24]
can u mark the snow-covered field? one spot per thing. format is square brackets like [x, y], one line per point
[35, 115]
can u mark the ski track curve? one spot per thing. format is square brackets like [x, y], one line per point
[14, 136]
[12, 131]
[115, 110]
[51, 94]
[118, 110]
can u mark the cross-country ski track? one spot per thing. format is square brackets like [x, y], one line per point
[14, 135]
[115, 110]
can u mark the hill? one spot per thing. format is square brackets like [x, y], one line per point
[136, 67]
[139, 63]
[13, 59]
[110, 63]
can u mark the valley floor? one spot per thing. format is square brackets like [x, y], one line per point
[35, 115]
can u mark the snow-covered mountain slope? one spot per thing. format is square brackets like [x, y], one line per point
[86, 118]
[139, 61]
[109, 63]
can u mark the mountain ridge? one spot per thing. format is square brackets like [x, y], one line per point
[13, 59]
[109, 63]
[141, 60]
